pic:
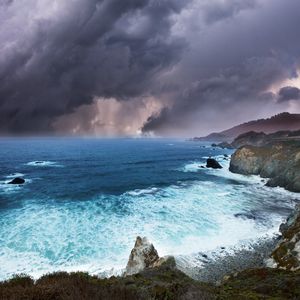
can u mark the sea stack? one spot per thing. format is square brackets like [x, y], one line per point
[212, 163]
[145, 256]
[17, 180]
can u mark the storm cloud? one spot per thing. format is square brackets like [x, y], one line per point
[57, 56]
[166, 66]
[235, 67]
[288, 93]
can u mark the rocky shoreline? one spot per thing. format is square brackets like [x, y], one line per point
[256, 273]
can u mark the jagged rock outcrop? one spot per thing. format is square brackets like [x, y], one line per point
[287, 254]
[144, 256]
[279, 161]
[212, 163]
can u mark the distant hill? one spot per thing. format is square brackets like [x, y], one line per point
[281, 122]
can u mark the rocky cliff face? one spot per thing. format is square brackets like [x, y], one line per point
[287, 254]
[260, 138]
[279, 161]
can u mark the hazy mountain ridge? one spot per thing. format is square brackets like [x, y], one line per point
[283, 121]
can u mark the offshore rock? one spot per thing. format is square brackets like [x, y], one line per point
[212, 163]
[17, 180]
[144, 256]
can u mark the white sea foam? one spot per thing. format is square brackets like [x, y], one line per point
[13, 175]
[42, 163]
[97, 235]
[139, 192]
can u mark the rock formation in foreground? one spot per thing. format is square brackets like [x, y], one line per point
[144, 256]
[278, 161]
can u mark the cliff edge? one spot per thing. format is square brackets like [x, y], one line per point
[278, 161]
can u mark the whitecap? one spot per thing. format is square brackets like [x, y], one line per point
[39, 163]
[140, 192]
[179, 219]
[13, 175]
[192, 166]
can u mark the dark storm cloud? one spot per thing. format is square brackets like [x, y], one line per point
[205, 98]
[288, 93]
[235, 58]
[56, 57]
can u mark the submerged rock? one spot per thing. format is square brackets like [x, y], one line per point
[245, 216]
[17, 180]
[144, 256]
[212, 163]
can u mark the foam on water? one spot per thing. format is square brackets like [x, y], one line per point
[13, 175]
[97, 235]
[151, 190]
[197, 166]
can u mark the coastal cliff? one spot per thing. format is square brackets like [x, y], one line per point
[278, 161]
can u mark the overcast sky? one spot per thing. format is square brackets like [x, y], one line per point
[165, 67]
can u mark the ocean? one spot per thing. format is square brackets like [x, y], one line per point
[85, 200]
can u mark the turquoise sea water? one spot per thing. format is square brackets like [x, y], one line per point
[85, 201]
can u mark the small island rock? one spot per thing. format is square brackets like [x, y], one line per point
[212, 163]
[17, 180]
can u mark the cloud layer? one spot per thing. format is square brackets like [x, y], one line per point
[206, 64]
[239, 50]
